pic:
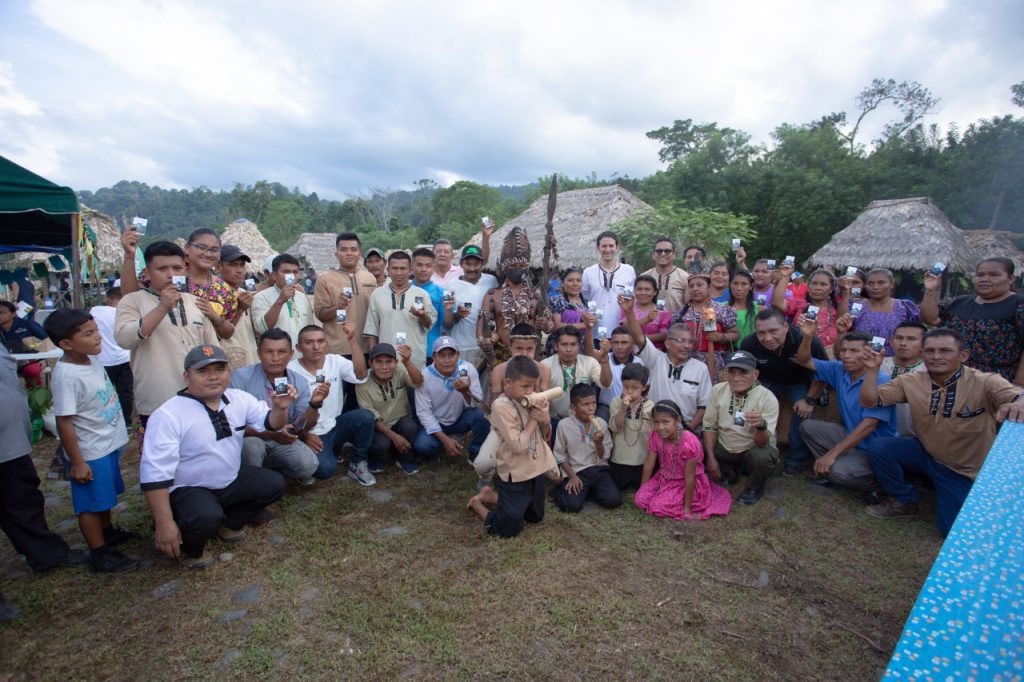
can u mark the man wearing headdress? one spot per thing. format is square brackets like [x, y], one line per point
[516, 301]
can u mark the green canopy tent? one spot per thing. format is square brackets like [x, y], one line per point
[38, 215]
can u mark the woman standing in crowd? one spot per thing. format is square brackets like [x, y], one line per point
[720, 282]
[821, 293]
[991, 319]
[852, 288]
[741, 300]
[568, 308]
[654, 322]
[882, 312]
[713, 324]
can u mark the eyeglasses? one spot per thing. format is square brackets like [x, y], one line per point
[664, 252]
[677, 339]
[212, 250]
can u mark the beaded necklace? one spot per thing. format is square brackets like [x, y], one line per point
[634, 423]
[568, 376]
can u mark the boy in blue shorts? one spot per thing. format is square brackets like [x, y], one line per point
[91, 427]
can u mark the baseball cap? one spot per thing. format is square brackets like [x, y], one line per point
[374, 251]
[444, 342]
[268, 265]
[229, 253]
[471, 251]
[201, 356]
[741, 359]
[383, 349]
[796, 275]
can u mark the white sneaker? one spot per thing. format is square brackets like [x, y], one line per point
[360, 473]
[307, 480]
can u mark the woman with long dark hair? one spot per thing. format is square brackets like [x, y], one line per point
[741, 300]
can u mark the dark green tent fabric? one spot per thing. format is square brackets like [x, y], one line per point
[35, 214]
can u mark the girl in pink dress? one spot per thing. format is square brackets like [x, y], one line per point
[680, 489]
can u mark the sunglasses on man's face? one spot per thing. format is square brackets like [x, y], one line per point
[664, 252]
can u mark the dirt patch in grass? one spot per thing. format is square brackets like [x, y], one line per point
[801, 586]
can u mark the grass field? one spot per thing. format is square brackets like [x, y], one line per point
[399, 581]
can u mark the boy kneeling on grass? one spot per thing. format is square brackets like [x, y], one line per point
[91, 427]
[583, 446]
[523, 456]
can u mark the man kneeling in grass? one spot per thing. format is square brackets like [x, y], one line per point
[191, 470]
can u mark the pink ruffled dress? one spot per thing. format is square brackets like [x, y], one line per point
[663, 494]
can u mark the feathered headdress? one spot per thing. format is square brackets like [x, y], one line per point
[515, 252]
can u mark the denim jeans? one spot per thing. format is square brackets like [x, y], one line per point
[354, 426]
[890, 456]
[798, 452]
[472, 420]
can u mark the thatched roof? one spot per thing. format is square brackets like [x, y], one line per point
[989, 243]
[317, 249]
[245, 235]
[580, 216]
[899, 234]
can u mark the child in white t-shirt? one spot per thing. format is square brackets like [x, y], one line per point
[92, 431]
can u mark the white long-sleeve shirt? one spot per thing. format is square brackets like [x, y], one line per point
[438, 403]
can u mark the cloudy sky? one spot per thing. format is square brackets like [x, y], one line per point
[339, 97]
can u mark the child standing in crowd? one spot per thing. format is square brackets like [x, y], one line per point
[681, 489]
[92, 431]
[583, 446]
[523, 455]
[631, 426]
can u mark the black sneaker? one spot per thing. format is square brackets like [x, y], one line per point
[112, 561]
[74, 557]
[730, 478]
[750, 496]
[114, 536]
[793, 468]
[872, 497]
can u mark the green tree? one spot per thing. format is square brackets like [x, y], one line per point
[912, 99]
[456, 211]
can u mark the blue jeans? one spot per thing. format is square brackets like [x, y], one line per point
[797, 453]
[354, 426]
[471, 419]
[890, 456]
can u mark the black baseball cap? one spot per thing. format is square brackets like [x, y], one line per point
[204, 355]
[741, 359]
[383, 349]
[229, 253]
[471, 251]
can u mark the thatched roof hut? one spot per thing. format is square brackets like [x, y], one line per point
[580, 216]
[245, 235]
[316, 249]
[989, 243]
[899, 234]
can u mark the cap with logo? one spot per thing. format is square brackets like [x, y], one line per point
[229, 253]
[472, 251]
[374, 251]
[201, 356]
[444, 342]
[741, 359]
[383, 349]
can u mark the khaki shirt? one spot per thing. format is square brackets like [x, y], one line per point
[672, 288]
[519, 458]
[574, 445]
[956, 422]
[587, 370]
[632, 440]
[719, 418]
[328, 291]
[389, 314]
[390, 402]
[241, 347]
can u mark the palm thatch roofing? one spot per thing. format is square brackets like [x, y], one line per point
[317, 249]
[989, 243]
[899, 234]
[245, 235]
[581, 215]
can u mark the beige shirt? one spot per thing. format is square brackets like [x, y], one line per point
[158, 361]
[587, 370]
[672, 287]
[329, 288]
[632, 440]
[904, 422]
[956, 422]
[720, 415]
[573, 444]
[389, 314]
[241, 347]
[291, 319]
[389, 402]
[519, 458]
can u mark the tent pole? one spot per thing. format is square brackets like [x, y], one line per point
[76, 263]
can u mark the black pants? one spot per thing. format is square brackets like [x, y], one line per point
[349, 391]
[627, 475]
[598, 486]
[518, 503]
[199, 512]
[381, 447]
[22, 518]
[121, 377]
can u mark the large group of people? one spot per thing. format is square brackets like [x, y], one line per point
[675, 383]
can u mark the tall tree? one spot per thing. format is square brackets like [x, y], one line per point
[912, 99]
